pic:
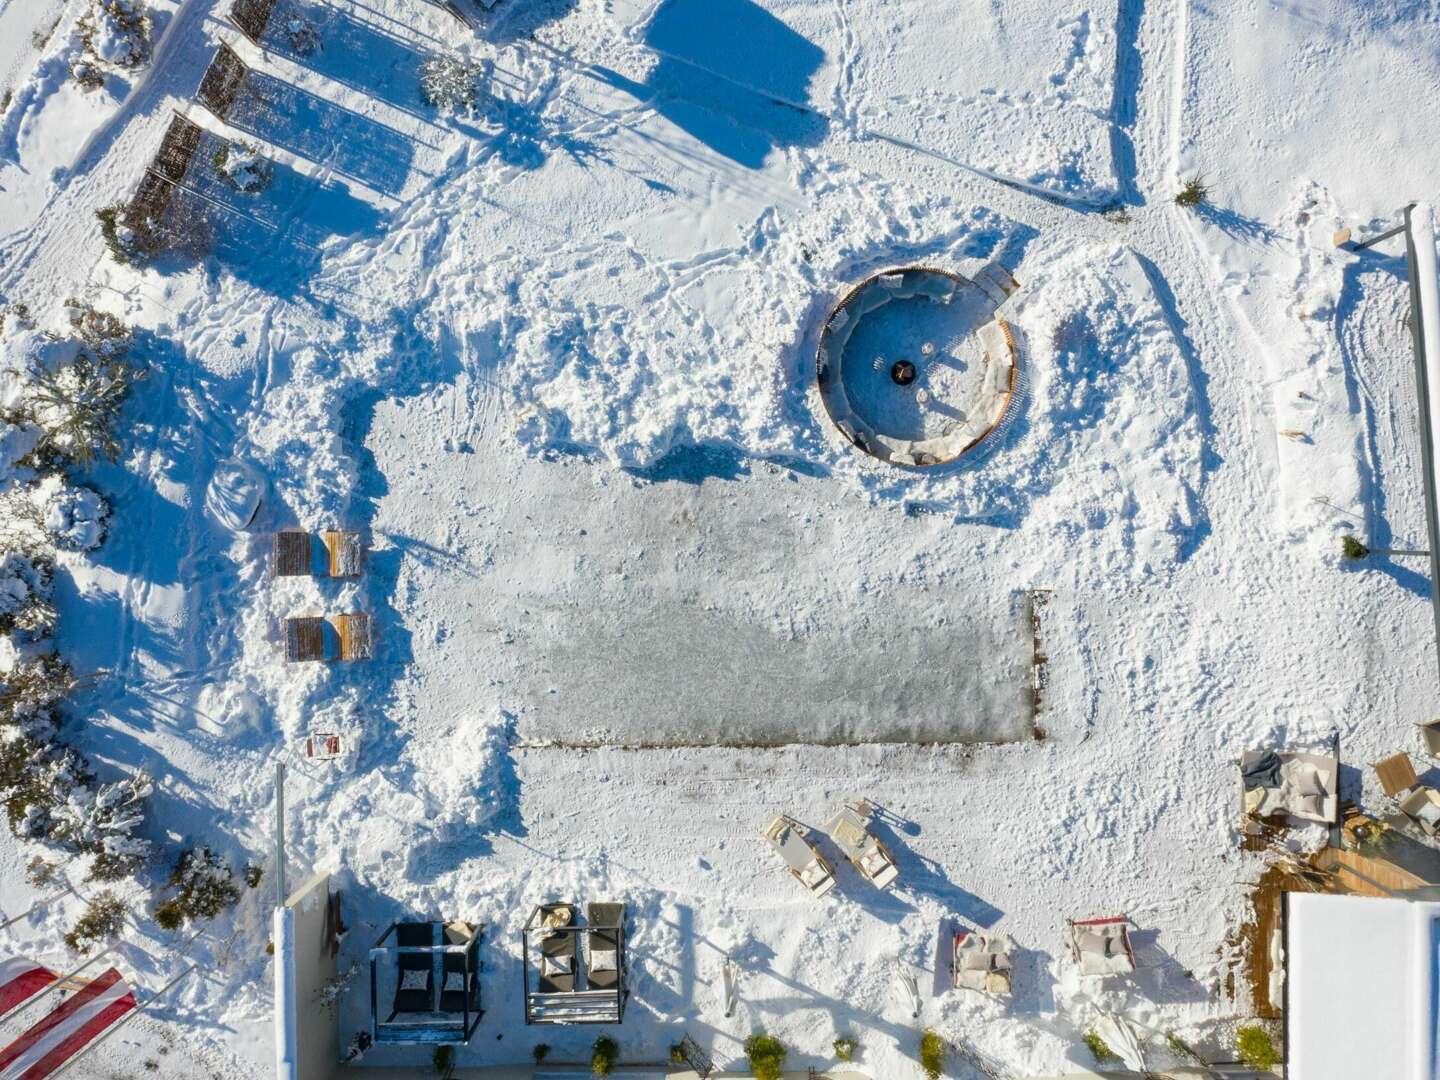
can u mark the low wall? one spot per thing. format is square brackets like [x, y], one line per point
[317, 1030]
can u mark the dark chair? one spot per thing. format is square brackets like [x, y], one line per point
[413, 935]
[603, 972]
[557, 947]
[460, 992]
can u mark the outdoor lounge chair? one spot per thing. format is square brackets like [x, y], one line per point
[1422, 806]
[292, 553]
[304, 639]
[557, 951]
[602, 966]
[1396, 774]
[1302, 785]
[806, 865]
[415, 990]
[458, 993]
[356, 636]
[346, 553]
[981, 963]
[872, 858]
[1102, 946]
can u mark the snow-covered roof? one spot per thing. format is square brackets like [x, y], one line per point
[1361, 984]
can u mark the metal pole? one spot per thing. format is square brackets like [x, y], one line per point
[280, 893]
[38, 904]
[1425, 309]
[122, 1022]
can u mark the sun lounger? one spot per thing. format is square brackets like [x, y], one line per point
[1302, 785]
[981, 963]
[415, 991]
[292, 553]
[848, 828]
[1102, 946]
[1396, 774]
[459, 990]
[346, 553]
[557, 951]
[304, 639]
[788, 837]
[602, 966]
[1422, 806]
[356, 636]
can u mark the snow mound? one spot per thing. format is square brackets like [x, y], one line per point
[75, 517]
[469, 780]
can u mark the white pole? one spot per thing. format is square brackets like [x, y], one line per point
[1425, 334]
[729, 975]
[905, 979]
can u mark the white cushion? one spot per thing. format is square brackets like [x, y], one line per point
[556, 965]
[414, 980]
[603, 961]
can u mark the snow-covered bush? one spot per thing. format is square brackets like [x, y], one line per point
[75, 518]
[301, 36]
[99, 821]
[204, 887]
[103, 920]
[130, 243]
[114, 35]
[25, 594]
[31, 690]
[242, 166]
[450, 83]
[75, 406]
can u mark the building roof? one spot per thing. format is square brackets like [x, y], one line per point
[1361, 988]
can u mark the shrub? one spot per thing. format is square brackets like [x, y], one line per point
[767, 1056]
[1192, 193]
[76, 404]
[74, 518]
[933, 1051]
[450, 83]
[242, 167]
[102, 921]
[253, 874]
[1098, 1047]
[845, 1048]
[540, 1052]
[25, 594]
[444, 1061]
[39, 872]
[1255, 1048]
[204, 886]
[115, 33]
[604, 1055]
[129, 242]
[1352, 548]
[30, 691]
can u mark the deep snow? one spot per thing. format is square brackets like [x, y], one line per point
[555, 356]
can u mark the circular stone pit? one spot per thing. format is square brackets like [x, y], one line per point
[914, 366]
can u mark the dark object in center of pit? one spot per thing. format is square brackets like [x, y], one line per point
[902, 372]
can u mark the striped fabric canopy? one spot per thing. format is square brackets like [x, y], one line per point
[68, 1029]
[20, 980]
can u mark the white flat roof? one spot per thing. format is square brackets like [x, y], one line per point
[1361, 988]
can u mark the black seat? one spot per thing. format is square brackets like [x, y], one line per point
[412, 935]
[460, 992]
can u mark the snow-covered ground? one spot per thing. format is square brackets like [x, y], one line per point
[555, 355]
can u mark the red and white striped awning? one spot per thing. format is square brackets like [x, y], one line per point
[68, 1029]
[20, 980]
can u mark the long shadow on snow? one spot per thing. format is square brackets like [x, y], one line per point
[731, 75]
[1123, 102]
[1190, 542]
[391, 66]
[319, 130]
[1377, 515]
